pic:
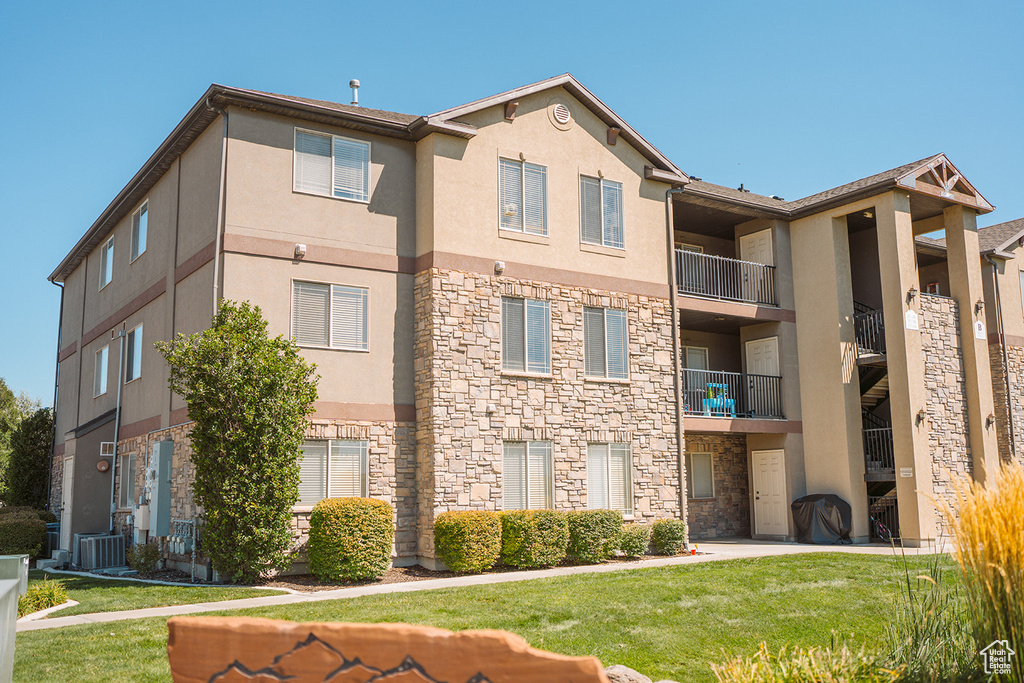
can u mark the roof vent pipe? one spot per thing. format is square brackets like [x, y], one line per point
[354, 84]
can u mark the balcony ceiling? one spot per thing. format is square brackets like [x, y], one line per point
[706, 217]
[712, 322]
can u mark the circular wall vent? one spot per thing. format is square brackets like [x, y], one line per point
[561, 113]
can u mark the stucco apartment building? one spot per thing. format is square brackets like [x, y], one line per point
[520, 302]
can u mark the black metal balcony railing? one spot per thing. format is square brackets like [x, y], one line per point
[885, 518]
[878, 451]
[869, 328]
[717, 277]
[732, 394]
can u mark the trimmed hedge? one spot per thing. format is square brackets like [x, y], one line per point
[634, 540]
[468, 541]
[533, 538]
[44, 515]
[668, 536]
[22, 532]
[350, 539]
[593, 534]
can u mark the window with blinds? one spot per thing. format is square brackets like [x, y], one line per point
[126, 497]
[99, 381]
[605, 343]
[601, 212]
[332, 166]
[332, 469]
[609, 477]
[330, 316]
[526, 481]
[133, 353]
[140, 224]
[700, 479]
[523, 197]
[525, 335]
[107, 263]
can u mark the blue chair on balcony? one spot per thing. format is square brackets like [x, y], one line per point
[718, 401]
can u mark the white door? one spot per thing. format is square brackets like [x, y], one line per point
[764, 392]
[770, 518]
[757, 283]
[67, 488]
[757, 248]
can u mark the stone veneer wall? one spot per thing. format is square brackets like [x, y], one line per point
[56, 484]
[946, 403]
[728, 513]
[1008, 395]
[458, 376]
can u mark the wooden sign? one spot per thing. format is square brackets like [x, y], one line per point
[242, 649]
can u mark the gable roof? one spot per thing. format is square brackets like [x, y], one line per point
[993, 239]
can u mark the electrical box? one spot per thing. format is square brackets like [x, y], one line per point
[158, 487]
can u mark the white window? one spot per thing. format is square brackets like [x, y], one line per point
[330, 316]
[140, 222]
[106, 449]
[332, 166]
[526, 482]
[99, 382]
[332, 469]
[126, 468]
[601, 212]
[107, 263]
[523, 194]
[609, 484]
[606, 343]
[695, 357]
[700, 475]
[133, 357]
[525, 335]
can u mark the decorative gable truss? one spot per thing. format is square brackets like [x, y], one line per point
[940, 178]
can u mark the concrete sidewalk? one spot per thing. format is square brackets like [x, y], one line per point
[710, 552]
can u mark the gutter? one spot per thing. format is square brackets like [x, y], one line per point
[221, 191]
[53, 414]
[121, 360]
[1004, 357]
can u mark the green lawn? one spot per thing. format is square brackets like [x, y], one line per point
[103, 595]
[665, 622]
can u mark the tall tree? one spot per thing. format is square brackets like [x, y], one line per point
[29, 462]
[249, 397]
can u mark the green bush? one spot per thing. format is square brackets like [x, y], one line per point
[468, 541]
[42, 595]
[635, 540]
[533, 538]
[143, 557]
[350, 539]
[593, 534]
[44, 515]
[668, 536]
[21, 533]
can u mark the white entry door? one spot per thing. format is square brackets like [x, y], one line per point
[770, 518]
[757, 282]
[757, 248]
[764, 393]
[67, 488]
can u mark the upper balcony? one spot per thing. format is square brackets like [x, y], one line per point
[725, 279]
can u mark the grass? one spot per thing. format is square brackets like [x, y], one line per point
[667, 622]
[104, 595]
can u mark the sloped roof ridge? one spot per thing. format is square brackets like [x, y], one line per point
[386, 114]
[891, 175]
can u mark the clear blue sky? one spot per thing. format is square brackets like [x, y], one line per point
[786, 98]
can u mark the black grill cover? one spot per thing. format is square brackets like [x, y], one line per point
[822, 518]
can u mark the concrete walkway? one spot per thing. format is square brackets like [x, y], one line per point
[710, 552]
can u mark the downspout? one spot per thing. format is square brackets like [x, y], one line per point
[53, 414]
[676, 368]
[1003, 355]
[117, 423]
[221, 191]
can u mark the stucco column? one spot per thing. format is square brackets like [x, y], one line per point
[898, 273]
[965, 285]
[829, 383]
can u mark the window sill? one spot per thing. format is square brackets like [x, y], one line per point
[605, 380]
[133, 379]
[526, 375]
[331, 196]
[699, 500]
[132, 262]
[331, 348]
[517, 236]
[601, 249]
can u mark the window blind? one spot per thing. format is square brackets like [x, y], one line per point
[700, 476]
[351, 169]
[593, 342]
[616, 336]
[535, 199]
[312, 163]
[539, 473]
[511, 193]
[310, 313]
[347, 475]
[620, 492]
[312, 472]
[590, 210]
[538, 336]
[513, 335]
[513, 476]
[597, 476]
[348, 317]
[611, 207]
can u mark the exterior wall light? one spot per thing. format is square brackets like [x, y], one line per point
[921, 416]
[990, 420]
[979, 305]
[499, 267]
[911, 293]
[300, 250]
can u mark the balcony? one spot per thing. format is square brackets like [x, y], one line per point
[869, 329]
[725, 279]
[714, 393]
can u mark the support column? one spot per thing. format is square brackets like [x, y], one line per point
[829, 383]
[898, 273]
[966, 287]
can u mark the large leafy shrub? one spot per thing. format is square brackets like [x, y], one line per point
[593, 534]
[350, 539]
[469, 540]
[143, 557]
[634, 540]
[22, 532]
[668, 536]
[248, 396]
[29, 461]
[533, 538]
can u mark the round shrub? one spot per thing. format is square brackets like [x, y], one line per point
[22, 533]
[468, 541]
[350, 539]
[143, 557]
[593, 534]
[668, 536]
[634, 540]
[533, 538]
[44, 515]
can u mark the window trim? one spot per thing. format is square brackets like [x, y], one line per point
[332, 136]
[685, 357]
[127, 342]
[106, 259]
[622, 210]
[364, 466]
[604, 314]
[628, 493]
[522, 164]
[526, 334]
[122, 467]
[144, 207]
[689, 475]
[330, 312]
[96, 376]
[549, 479]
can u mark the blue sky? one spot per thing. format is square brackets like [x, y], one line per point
[786, 98]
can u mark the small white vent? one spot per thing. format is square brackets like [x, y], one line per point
[561, 113]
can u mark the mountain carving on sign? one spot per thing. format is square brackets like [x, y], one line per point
[314, 661]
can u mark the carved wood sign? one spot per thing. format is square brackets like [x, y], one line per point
[241, 649]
